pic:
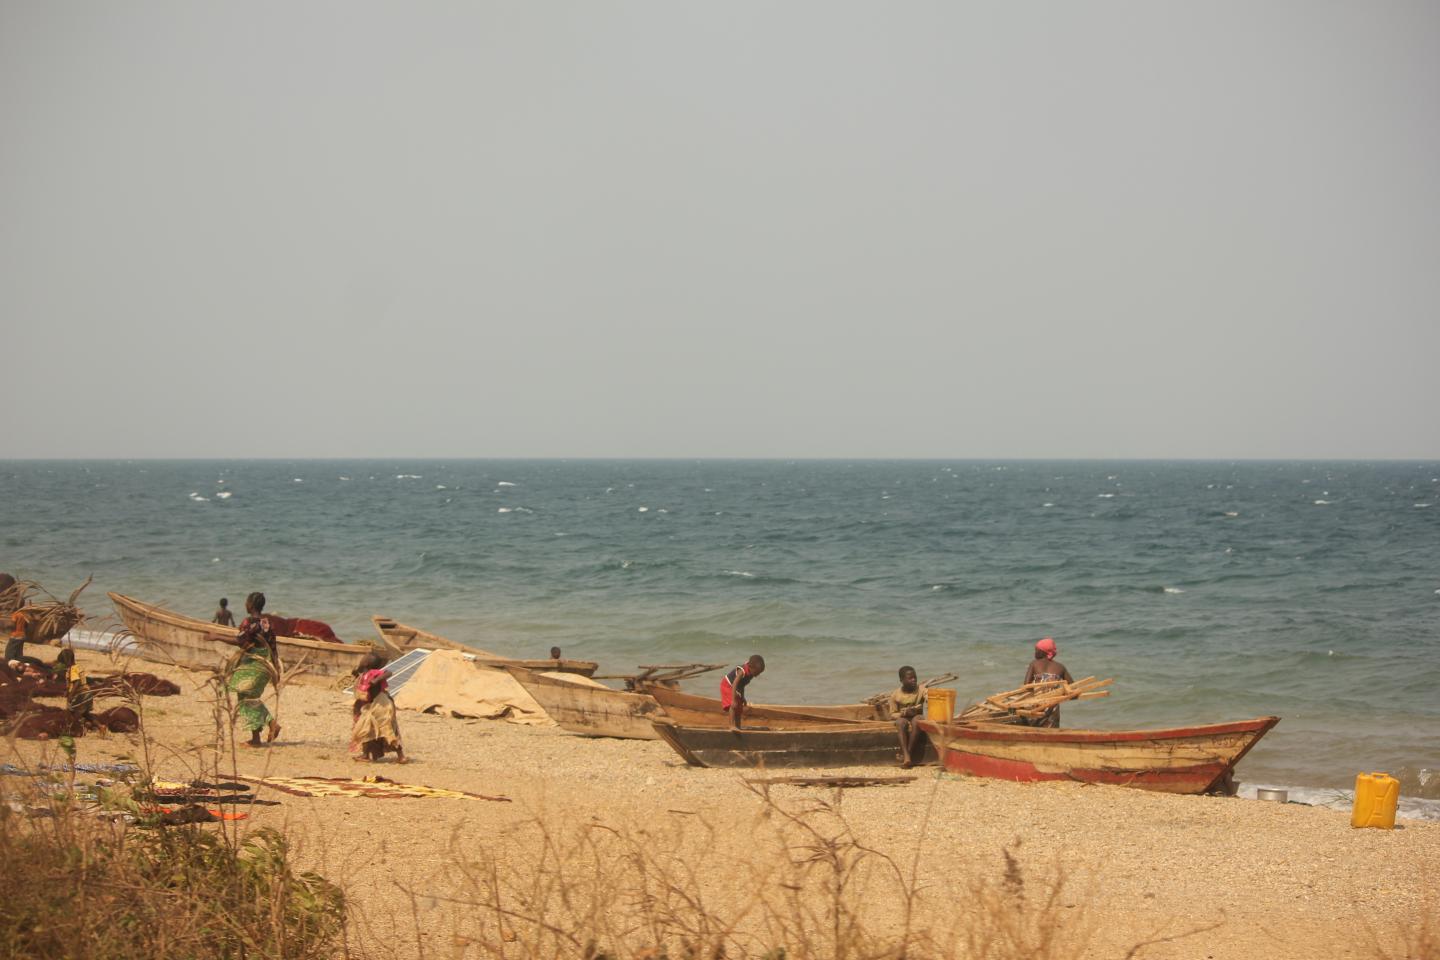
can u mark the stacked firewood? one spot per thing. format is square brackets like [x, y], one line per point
[1032, 701]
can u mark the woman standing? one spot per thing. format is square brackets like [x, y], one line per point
[259, 662]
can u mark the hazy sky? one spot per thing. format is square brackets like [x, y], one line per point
[725, 229]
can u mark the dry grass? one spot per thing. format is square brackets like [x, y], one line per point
[800, 886]
[99, 886]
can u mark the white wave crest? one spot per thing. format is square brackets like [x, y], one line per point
[643, 510]
[408, 476]
[503, 510]
[1323, 503]
[1173, 590]
[224, 494]
[504, 483]
[740, 573]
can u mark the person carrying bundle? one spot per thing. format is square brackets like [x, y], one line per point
[732, 688]
[1046, 669]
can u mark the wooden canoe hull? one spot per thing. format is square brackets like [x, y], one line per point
[1188, 760]
[591, 711]
[402, 638]
[168, 637]
[841, 745]
[688, 709]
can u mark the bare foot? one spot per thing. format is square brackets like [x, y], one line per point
[401, 759]
[272, 732]
[360, 759]
[251, 744]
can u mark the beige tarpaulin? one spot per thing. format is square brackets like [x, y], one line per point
[449, 683]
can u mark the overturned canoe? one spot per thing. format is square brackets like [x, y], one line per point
[839, 745]
[688, 709]
[169, 637]
[590, 709]
[402, 638]
[1195, 759]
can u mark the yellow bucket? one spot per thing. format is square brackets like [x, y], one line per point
[1375, 797]
[939, 704]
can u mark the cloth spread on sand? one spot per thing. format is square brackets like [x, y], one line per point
[448, 683]
[375, 721]
[376, 787]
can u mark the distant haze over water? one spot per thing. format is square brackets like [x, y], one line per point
[1209, 591]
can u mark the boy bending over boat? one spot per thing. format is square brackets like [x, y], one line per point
[732, 688]
[907, 703]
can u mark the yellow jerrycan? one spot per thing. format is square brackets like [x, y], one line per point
[1375, 797]
[939, 704]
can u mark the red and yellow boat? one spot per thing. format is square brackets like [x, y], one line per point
[1193, 760]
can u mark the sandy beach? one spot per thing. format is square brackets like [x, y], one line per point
[1259, 879]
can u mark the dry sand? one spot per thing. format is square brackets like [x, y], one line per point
[1281, 881]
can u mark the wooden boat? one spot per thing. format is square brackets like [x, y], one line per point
[836, 745]
[689, 709]
[400, 638]
[591, 711]
[1179, 760]
[168, 637]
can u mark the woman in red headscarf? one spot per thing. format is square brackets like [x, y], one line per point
[1046, 669]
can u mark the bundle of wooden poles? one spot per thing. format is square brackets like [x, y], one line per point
[664, 673]
[50, 619]
[1032, 701]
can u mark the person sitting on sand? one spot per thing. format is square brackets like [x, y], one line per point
[374, 727]
[907, 703]
[78, 698]
[259, 662]
[1046, 669]
[732, 688]
[223, 616]
[554, 653]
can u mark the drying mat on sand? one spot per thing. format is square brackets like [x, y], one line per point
[380, 788]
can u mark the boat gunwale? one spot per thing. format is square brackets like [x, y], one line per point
[1011, 732]
[425, 638]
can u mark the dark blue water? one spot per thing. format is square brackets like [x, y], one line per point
[1209, 591]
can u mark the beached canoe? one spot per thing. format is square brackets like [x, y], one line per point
[401, 638]
[688, 709]
[1178, 760]
[168, 637]
[837, 745]
[590, 709]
